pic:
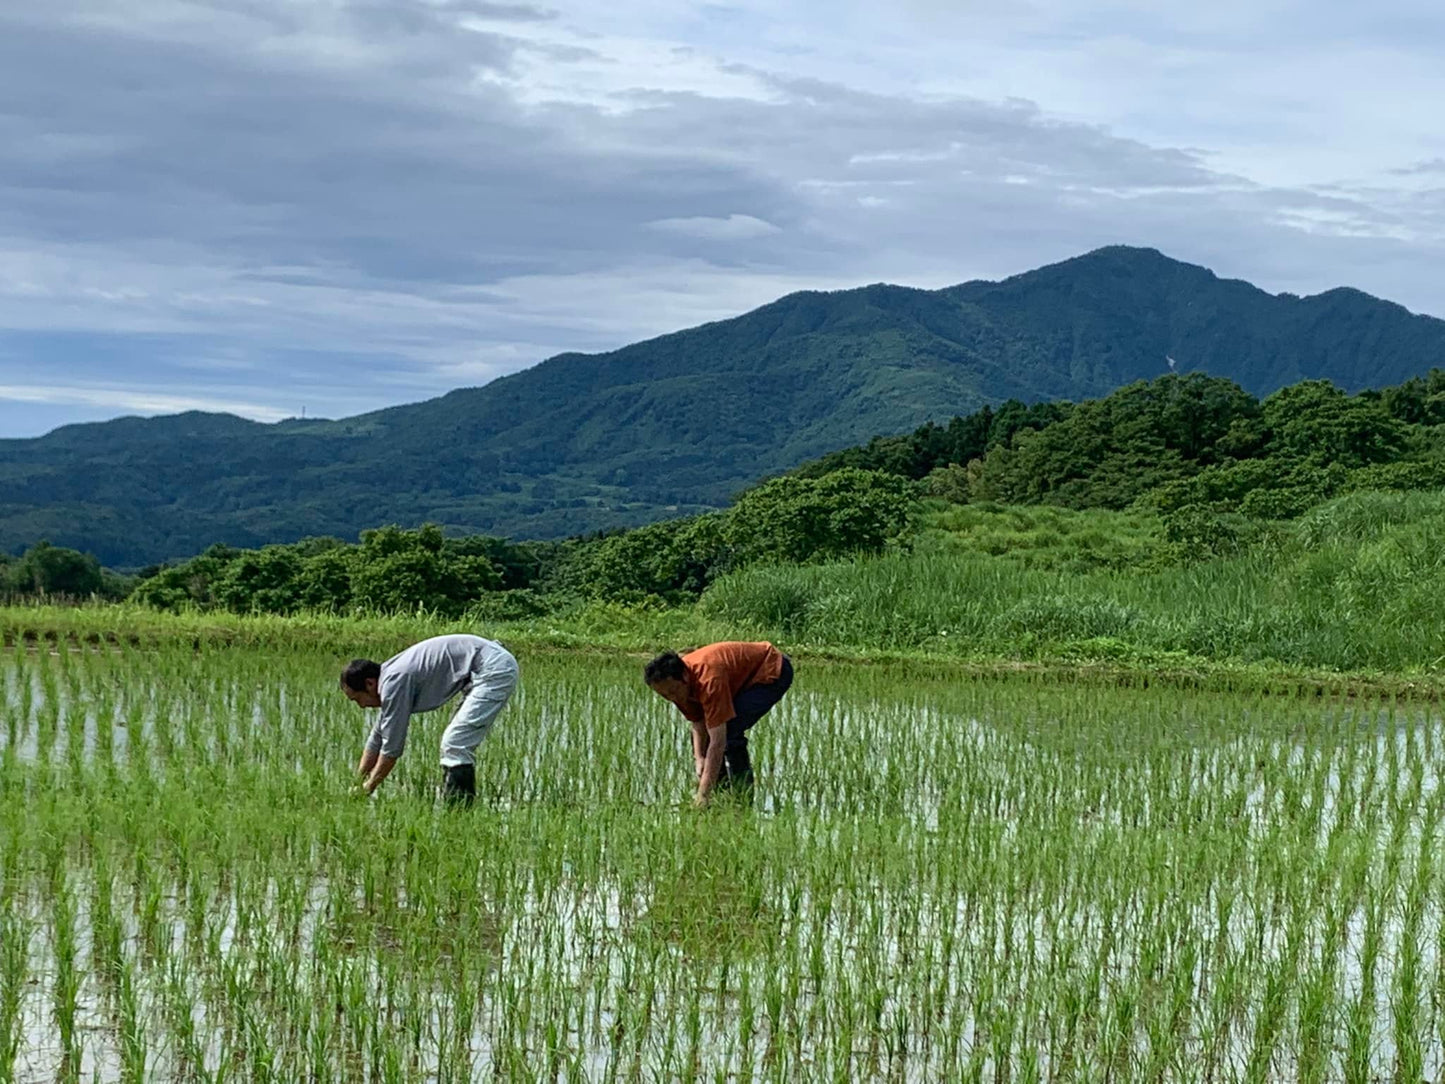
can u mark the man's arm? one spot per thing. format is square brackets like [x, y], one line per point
[388, 736]
[397, 698]
[712, 764]
[369, 754]
[699, 746]
[384, 765]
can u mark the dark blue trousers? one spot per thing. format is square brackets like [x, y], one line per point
[750, 705]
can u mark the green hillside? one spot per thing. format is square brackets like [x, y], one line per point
[677, 424]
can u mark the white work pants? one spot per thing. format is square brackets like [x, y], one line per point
[492, 686]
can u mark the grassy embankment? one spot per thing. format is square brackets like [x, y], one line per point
[1348, 594]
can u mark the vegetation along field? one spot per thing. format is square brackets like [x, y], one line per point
[940, 880]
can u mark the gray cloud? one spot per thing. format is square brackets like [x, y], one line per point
[264, 202]
[1429, 166]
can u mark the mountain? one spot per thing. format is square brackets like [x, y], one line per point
[679, 423]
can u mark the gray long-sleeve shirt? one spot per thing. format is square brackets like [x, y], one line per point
[424, 677]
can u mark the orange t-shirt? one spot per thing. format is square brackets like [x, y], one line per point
[718, 672]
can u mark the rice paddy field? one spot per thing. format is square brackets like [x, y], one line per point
[940, 879]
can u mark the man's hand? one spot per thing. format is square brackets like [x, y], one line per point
[699, 746]
[382, 766]
[712, 764]
[367, 770]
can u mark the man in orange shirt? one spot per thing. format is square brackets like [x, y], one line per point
[722, 689]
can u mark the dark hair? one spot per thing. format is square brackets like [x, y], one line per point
[357, 671]
[667, 665]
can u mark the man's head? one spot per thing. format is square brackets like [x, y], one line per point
[666, 675]
[359, 681]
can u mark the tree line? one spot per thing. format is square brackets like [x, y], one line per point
[1208, 457]
[390, 569]
[1197, 449]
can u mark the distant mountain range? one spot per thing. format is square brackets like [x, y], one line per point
[679, 423]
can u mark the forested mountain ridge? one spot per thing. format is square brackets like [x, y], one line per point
[678, 423]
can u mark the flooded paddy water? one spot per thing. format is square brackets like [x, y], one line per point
[939, 879]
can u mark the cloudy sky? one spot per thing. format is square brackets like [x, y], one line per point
[268, 205]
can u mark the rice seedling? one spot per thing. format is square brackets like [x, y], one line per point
[1007, 880]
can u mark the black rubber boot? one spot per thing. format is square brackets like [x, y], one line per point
[459, 784]
[737, 774]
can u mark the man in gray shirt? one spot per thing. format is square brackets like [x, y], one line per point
[423, 678]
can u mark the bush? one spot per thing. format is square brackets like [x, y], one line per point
[672, 560]
[519, 604]
[776, 602]
[1197, 532]
[1278, 488]
[46, 570]
[391, 571]
[797, 520]
[950, 483]
[1284, 503]
[1405, 475]
[1224, 485]
[261, 581]
[788, 520]
[394, 571]
[186, 585]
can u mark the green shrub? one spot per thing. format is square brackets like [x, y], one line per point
[1197, 532]
[1405, 475]
[846, 513]
[45, 570]
[191, 584]
[1285, 503]
[394, 571]
[518, 604]
[672, 560]
[261, 581]
[391, 571]
[949, 483]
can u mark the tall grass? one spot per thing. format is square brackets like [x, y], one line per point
[1356, 585]
[1042, 537]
